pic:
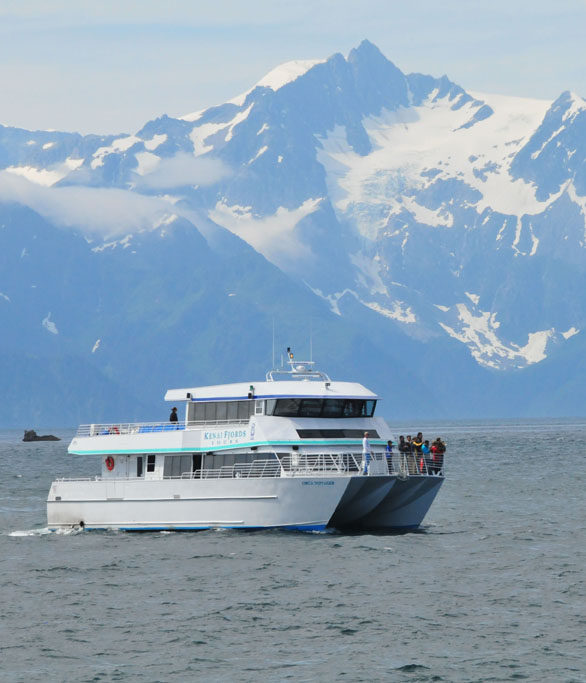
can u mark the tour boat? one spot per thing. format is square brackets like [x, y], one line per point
[285, 453]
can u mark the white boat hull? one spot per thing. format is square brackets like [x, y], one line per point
[379, 502]
[193, 504]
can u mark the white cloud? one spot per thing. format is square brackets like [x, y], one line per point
[275, 237]
[184, 169]
[105, 211]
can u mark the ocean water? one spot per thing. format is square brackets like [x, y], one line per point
[492, 588]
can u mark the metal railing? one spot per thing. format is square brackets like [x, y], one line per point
[118, 428]
[402, 465]
[407, 464]
[320, 464]
[324, 464]
[295, 465]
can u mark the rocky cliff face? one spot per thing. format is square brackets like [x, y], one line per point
[429, 239]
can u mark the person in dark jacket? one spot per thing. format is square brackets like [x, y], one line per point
[173, 416]
[417, 444]
[389, 454]
[439, 455]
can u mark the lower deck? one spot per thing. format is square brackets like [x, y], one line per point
[265, 464]
[273, 490]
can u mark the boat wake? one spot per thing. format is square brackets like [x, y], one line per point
[45, 532]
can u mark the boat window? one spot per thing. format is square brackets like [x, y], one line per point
[353, 408]
[232, 410]
[328, 407]
[177, 465]
[244, 409]
[287, 407]
[336, 433]
[258, 407]
[270, 406]
[221, 410]
[210, 411]
[139, 466]
[151, 459]
[311, 407]
[333, 407]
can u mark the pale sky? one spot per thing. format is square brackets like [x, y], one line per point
[108, 67]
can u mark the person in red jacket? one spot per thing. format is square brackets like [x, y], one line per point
[438, 448]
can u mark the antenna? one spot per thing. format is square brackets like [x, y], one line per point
[273, 342]
[311, 340]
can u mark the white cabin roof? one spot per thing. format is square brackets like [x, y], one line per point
[277, 389]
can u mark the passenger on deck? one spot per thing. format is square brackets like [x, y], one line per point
[365, 453]
[418, 442]
[389, 454]
[405, 451]
[426, 453]
[173, 416]
[411, 456]
[438, 448]
[440, 455]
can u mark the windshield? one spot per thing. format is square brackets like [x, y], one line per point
[321, 407]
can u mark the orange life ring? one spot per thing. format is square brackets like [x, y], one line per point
[110, 463]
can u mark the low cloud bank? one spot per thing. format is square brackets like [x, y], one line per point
[184, 169]
[91, 210]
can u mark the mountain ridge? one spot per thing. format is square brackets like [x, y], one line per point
[451, 222]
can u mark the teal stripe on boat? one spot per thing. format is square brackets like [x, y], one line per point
[213, 449]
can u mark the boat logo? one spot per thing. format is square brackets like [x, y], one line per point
[224, 437]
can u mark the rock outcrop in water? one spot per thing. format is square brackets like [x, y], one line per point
[31, 435]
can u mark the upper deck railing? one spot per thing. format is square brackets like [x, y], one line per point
[118, 428]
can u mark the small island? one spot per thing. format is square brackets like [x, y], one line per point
[31, 435]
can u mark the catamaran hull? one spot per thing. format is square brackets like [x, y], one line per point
[194, 504]
[380, 502]
[405, 506]
[386, 502]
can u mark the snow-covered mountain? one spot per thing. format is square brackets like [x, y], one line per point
[440, 231]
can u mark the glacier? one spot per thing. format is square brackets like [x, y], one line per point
[425, 226]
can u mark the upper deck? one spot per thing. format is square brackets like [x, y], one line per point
[301, 380]
[240, 391]
[306, 408]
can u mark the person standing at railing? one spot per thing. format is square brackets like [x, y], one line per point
[426, 452]
[173, 416]
[417, 445]
[411, 459]
[403, 453]
[438, 448]
[440, 455]
[366, 455]
[389, 454]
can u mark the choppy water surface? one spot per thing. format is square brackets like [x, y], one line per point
[492, 589]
